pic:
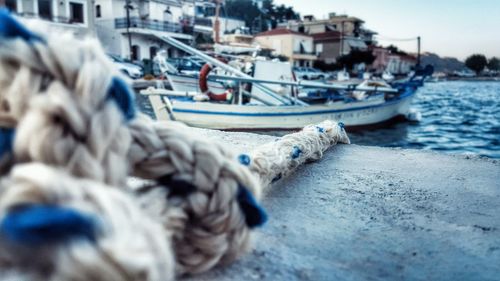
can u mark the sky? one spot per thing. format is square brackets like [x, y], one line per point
[452, 28]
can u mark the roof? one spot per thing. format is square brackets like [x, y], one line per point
[280, 31]
[327, 36]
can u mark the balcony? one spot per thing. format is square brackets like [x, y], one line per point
[164, 26]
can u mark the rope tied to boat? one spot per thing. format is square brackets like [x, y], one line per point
[70, 113]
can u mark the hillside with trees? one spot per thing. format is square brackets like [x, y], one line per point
[442, 64]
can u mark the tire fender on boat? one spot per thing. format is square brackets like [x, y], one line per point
[203, 83]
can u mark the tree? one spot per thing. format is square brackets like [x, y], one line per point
[476, 62]
[247, 11]
[356, 57]
[394, 50]
[494, 64]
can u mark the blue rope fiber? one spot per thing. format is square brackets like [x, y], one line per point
[6, 140]
[296, 152]
[255, 215]
[11, 28]
[320, 129]
[121, 93]
[341, 125]
[41, 224]
[244, 159]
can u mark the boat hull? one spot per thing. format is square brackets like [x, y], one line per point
[237, 117]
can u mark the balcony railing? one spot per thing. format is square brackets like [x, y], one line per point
[165, 26]
[52, 18]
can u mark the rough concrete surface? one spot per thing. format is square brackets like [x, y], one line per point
[368, 213]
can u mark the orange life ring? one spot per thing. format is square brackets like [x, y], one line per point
[203, 83]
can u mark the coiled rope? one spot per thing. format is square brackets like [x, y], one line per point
[64, 106]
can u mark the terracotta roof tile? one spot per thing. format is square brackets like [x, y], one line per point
[280, 31]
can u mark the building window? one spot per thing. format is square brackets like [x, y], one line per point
[45, 9]
[152, 52]
[11, 5]
[136, 53]
[98, 11]
[75, 12]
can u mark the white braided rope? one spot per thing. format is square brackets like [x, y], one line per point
[279, 159]
[79, 128]
[57, 100]
[128, 246]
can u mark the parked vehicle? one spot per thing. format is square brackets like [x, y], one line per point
[186, 64]
[131, 70]
[309, 73]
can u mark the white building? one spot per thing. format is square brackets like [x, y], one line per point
[75, 16]
[205, 20]
[130, 28]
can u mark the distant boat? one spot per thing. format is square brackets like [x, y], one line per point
[387, 76]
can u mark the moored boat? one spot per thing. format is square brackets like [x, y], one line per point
[265, 106]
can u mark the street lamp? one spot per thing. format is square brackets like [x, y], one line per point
[128, 6]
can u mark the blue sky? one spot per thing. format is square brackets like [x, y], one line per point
[455, 28]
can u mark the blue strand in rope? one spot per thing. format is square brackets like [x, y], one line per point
[41, 224]
[11, 28]
[121, 93]
[341, 125]
[296, 152]
[6, 140]
[320, 129]
[255, 215]
[244, 159]
[277, 178]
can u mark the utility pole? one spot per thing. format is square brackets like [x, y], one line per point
[128, 7]
[342, 39]
[418, 53]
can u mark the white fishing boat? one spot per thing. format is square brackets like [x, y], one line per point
[274, 102]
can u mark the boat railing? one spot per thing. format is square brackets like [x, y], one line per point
[305, 84]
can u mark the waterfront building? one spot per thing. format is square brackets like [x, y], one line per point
[335, 36]
[395, 63]
[297, 47]
[131, 28]
[74, 16]
[205, 20]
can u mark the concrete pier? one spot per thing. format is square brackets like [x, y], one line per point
[368, 213]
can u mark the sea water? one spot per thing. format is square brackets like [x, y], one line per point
[456, 117]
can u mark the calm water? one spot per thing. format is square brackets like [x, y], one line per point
[457, 117]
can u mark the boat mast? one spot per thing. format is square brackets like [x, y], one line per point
[217, 22]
